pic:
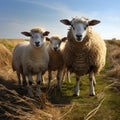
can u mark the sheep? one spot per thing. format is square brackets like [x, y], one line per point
[85, 51]
[56, 62]
[31, 58]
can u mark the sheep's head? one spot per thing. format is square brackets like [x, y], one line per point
[55, 42]
[79, 26]
[37, 36]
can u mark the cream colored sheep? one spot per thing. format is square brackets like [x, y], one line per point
[85, 51]
[30, 58]
[56, 62]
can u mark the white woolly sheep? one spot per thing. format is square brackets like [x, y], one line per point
[85, 51]
[30, 58]
[56, 62]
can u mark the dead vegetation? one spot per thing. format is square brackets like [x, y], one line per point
[114, 58]
[15, 105]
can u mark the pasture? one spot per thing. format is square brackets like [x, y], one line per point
[56, 105]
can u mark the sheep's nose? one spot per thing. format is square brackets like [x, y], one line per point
[37, 44]
[55, 48]
[79, 37]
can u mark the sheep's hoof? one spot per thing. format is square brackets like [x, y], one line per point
[24, 84]
[59, 89]
[38, 91]
[19, 86]
[91, 94]
[38, 94]
[75, 95]
[30, 93]
[48, 87]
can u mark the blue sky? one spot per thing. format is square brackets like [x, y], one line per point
[22, 15]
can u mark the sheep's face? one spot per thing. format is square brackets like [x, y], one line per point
[36, 38]
[55, 42]
[55, 45]
[79, 27]
[79, 30]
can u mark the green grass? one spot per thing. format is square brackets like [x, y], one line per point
[84, 103]
[109, 109]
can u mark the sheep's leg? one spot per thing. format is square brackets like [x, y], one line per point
[42, 80]
[30, 89]
[19, 79]
[38, 80]
[59, 78]
[77, 88]
[24, 82]
[49, 78]
[68, 76]
[92, 83]
[63, 75]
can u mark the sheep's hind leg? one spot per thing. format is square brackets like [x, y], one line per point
[49, 78]
[19, 79]
[59, 79]
[63, 75]
[92, 83]
[68, 76]
[24, 82]
[77, 88]
[30, 89]
[38, 80]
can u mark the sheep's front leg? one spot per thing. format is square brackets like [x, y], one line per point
[59, 79]
[92, 83]
[77, 88]
[38, 80]
[19, 79]
[30, 89]
[49, 78]
[68, 76]
[63, 75]
[24, 82]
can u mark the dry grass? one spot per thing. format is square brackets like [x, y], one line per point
[15, 105]
[5, 56]
[115, 72]
[114, 57]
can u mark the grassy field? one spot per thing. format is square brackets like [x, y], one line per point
[56, 105]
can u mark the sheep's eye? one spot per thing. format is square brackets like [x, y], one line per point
[73, 27]
[85, 27]
[42, 36]
[59, 43]
[32, 37]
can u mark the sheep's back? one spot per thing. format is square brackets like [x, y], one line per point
[17, 56]
[97, 55]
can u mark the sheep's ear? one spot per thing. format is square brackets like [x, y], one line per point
[46, 33]
[26, 34]
[93, 22]
[64, 39]
[47, 39]
[65, 21]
